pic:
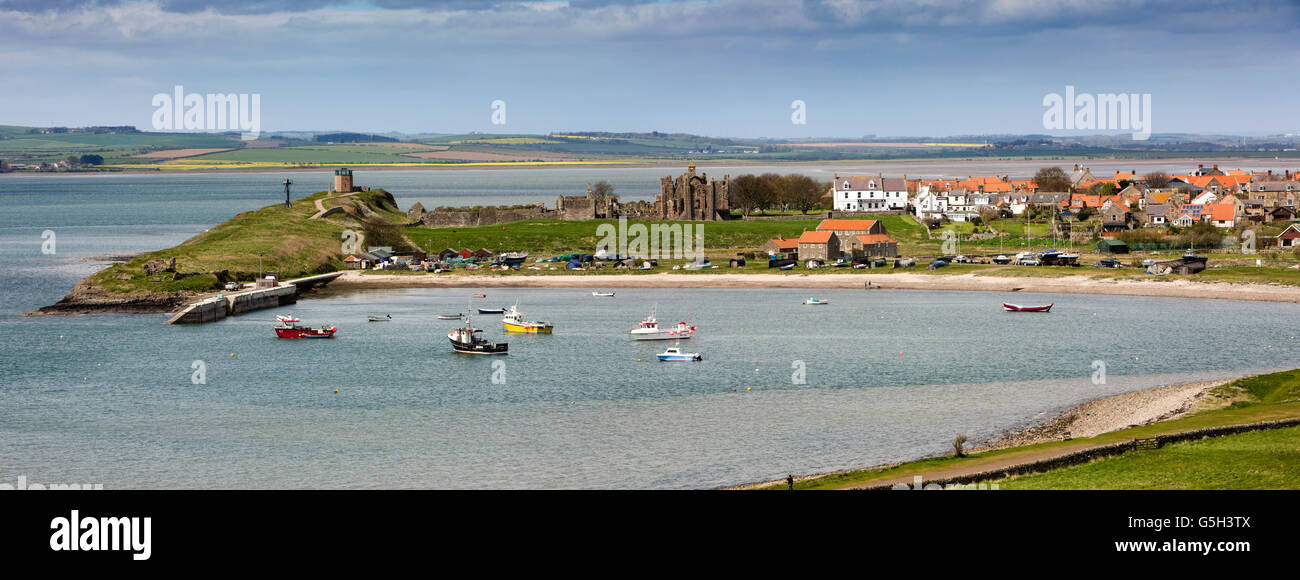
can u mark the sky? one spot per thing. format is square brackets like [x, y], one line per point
[724, 68]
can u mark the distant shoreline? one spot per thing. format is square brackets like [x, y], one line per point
[646, 164]
[357, 280]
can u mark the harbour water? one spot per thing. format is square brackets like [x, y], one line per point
[886, 375]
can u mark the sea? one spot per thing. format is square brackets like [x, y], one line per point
[127, 402]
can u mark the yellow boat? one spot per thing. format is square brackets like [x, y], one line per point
[514, 322]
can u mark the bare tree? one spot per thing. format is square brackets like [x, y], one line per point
[800, 192]
[1052, 179]
[1156, 180]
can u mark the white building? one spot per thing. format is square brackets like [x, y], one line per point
[869, 193]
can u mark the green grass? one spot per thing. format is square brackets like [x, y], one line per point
[290, 243]
[1267, 459]
[1253, 399]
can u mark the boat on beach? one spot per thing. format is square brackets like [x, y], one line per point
[514, 321]
[1018, 308]
[675, 354]
[649, 329]
[465, 340]
[286, 326]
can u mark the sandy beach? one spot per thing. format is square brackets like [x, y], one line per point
[353, 280]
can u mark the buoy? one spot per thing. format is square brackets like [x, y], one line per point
[336, 391]
[749, 388]
[232, 355]
[638, 360]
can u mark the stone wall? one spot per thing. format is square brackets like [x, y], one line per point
[485, 216]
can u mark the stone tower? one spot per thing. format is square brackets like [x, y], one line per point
[343, 180]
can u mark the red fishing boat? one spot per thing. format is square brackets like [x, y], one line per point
[1017, 308]
[289, 327]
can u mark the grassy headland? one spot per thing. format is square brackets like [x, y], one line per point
[1197, 465]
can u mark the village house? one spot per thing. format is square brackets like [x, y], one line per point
[1222, 215]
[786, 246]
[819, 245]
[1276, 193]
[869, 193]
[875, 246]
[1288, 237]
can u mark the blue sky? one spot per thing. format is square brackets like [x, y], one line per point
[721, 67]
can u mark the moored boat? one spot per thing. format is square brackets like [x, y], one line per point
[1018, 308]
[816, 301]
[603, 294]
[649, 329]
[457, 316]
[674, 354]
[465, 340]
[384, 318]
[514, 321]
[491, 311]
[289, 327]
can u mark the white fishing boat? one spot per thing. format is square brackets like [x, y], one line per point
[674, 354]
[816, 301]
[603, 294]
[649, 329]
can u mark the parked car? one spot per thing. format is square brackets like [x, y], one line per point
[232, 286]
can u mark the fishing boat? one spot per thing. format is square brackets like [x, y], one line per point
[385, 318]
[491, 311]
[450, 316]
[1002, 259]
[514, 321]
[816, 301]
[603, 294]
[288, 327]
[786, 267]
[466, 340]
[674, 354]
[1018, 308]
[649, 329]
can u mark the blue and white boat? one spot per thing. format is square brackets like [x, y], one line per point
[816, 301]
[674, 354]
[491, 311]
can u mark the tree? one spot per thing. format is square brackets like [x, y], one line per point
[1052, 179]
[749, 192]
[92, 160]
[1155, 180]
[800, 192]
[770, 195]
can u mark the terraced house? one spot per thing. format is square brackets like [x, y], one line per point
[869, 193]
[857, 238]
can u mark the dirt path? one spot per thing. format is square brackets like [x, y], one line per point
[320, 206]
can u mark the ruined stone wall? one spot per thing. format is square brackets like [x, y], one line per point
[484, 216]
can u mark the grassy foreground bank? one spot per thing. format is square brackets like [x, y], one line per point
[1273, 456]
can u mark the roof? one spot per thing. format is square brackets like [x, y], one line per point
[876, 239]
[865, 182]
[1290, 233]
[816, 237]
[1223, 212]
[845, 225]
[1112, 243]
[785, 243]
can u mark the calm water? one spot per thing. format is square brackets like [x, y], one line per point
[889, 375]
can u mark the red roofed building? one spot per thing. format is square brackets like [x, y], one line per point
[875, 245]
[819, 245]
[787, 246]
[1222, 215]
[848, 230]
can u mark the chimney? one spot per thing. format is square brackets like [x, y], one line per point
[1216, 166]
[1200, 166]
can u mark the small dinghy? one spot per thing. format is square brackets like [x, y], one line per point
[480, 295]
[384, 318]
[491, 310]
[816, 301]
[603, 294]
[450, 316]
[1018, 308]
[674, 354]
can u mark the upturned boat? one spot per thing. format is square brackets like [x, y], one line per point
[1018, 308]
[514, 321]
[674, 354]
[649, 329]
[288, 327]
